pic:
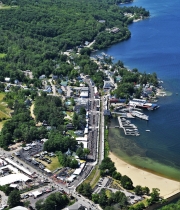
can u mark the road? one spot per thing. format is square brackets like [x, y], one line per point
[53, 87]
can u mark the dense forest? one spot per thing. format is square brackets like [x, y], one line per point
[33, 33]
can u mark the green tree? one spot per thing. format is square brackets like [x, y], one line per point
[116, 175]
[95, 197]
[138, 190]
[103, 198]
[146, 190]
[126, 182]
[107, 166]
[14, 198]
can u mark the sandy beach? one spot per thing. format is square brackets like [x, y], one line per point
[140, 177]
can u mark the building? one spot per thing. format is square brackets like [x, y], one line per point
[12, 178]
[101, 21]
[19, 208]
[118, 78]
[108, 85]
[7, 79]
[115, 30]
[54, 77]
[42, 77]
[85, 89]
[70, 126]
[84, 94]
[64, 83]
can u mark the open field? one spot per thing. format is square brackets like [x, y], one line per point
[53, 165]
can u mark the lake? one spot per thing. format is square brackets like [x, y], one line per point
[154, 46]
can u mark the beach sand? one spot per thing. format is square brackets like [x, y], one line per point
[140, 177]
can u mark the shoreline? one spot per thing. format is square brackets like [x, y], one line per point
[144, 178]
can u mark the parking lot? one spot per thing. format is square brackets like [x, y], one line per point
[29, 154]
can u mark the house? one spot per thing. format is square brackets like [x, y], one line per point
[42, 77]
[115, 30]
[75, 206]
[16, 81]
[64, 83]
[108, 85]
[70, 126]
[7, 79]
[28, 102]
[68, 152]
[84, 94]
[101, 21]
[54, 77]
[79, 78]
[60, 91]
[86, 43]
[118, 78]
[18, 208]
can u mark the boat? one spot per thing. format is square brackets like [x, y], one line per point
[148, 130]
[140, 115]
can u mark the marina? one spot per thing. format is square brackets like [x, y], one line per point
[129, 129]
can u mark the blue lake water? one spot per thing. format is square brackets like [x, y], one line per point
[154, 46]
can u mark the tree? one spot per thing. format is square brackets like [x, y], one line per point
[116, 175]
[79, 152]
[86, 152]
[74, 163]
[26, 203]
[146, 190]
[155, 194]
[138, 190]
[126, 182]
[85, 189]
[107, 166]
[95, 197]
[103, 198]
[14, 198]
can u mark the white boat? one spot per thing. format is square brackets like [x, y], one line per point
[140, 115]
[148, 130]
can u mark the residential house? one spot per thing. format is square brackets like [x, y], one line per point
[54, 77]
[115, 30]
[108, 85]
[7, 79]
[42, 77]
[101, 21]
[118, 79]
[64, 83]
[70, 126]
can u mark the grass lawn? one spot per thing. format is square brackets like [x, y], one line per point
[53, 165]
[70, 114]
[2, 55]
[108, 193]
[4, 110]
[93, 177]
[71, 133]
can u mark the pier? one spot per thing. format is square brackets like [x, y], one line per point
[129, 129]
